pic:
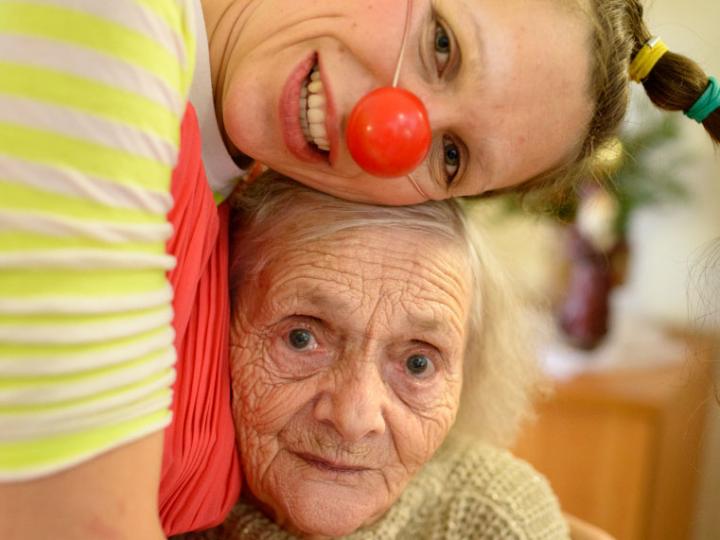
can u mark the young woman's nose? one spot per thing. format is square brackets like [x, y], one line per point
[353, 403]
[388, 132]
[444, 113]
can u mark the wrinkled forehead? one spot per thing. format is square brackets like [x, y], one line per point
[418, 278]
[383, 250]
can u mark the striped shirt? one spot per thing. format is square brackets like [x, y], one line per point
[91, 98]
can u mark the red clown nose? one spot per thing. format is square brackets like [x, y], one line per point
[388, 132]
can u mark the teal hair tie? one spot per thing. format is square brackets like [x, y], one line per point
[707, 104]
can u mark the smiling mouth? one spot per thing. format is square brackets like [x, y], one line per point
[313, 112]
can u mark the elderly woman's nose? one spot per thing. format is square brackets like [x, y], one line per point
[354, 403]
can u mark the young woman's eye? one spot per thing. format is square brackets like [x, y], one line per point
[451, 159]
[443, 47]
[301, 339]
[419, 365]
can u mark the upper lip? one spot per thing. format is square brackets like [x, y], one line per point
[330, 463]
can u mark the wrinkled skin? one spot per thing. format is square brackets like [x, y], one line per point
[331, 420]
[509, 92]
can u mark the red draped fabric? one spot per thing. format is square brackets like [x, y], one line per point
[200, 472]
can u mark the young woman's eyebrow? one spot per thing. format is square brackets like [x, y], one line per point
[462, 21]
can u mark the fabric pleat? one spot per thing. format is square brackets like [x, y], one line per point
[200, 474]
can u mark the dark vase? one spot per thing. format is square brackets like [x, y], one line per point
[584, 314]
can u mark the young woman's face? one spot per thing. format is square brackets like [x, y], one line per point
[505, 82]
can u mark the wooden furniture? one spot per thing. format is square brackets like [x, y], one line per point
[622, 448]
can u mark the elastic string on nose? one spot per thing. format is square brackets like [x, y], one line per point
[401, 55]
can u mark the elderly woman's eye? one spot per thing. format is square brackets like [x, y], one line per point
[418, 365]
[442, 46]
[451, 159]
[301, 339]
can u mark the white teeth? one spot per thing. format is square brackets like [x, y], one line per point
[317, 131]
[315, 116]
[312, 111]
[315, 87]
[316, 101]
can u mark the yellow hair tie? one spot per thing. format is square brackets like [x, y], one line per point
[646, 58]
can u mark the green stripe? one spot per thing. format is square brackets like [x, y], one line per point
[63, 350]
[89, 158]
[47, 451]
[17, 196]
[79, 28]
[105, 372]
[29, 283]
[104, 101]
[219, 198]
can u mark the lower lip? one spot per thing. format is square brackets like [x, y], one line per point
[292, 132]
[326, 467]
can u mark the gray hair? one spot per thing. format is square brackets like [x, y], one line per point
[501, 374]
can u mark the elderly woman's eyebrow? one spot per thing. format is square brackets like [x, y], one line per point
[332, 305]
[326, 303]
[439, 326]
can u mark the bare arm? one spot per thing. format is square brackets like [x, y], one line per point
[110, 497]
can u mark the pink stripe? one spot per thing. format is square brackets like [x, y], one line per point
[63, 181]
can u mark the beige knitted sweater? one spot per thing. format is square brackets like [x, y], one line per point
[465, 492]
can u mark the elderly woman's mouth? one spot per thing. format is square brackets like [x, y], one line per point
[329, 465]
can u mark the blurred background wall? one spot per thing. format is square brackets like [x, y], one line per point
[672, 275]
[682, 231]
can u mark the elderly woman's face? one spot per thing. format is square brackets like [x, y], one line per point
[347, 371]
[506, 85]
